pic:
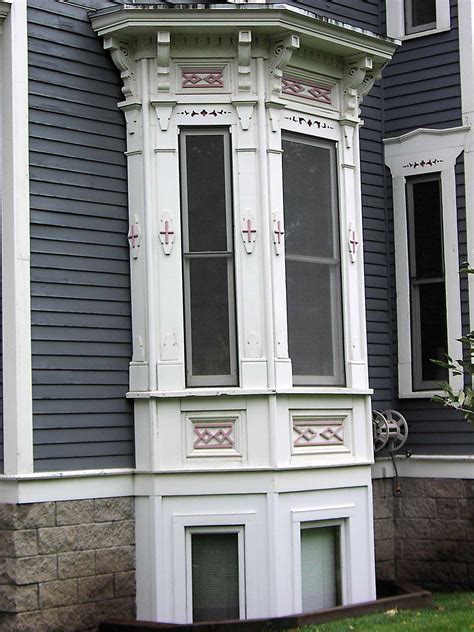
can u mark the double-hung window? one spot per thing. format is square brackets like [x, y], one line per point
[408, 19]
[208, 258]
[313, 265]
[420, 15]
[427, 283]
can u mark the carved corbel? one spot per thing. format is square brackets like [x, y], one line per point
[163, 61]
[359, 77]
[280, 56]
[122, 57]
[243, 59]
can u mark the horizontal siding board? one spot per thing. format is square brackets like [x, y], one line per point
[80, 285]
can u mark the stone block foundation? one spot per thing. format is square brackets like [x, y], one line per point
[426, 533]
[66, 565]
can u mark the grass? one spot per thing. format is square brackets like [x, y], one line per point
[453, 612]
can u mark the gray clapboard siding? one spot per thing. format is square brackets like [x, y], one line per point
[80, 290]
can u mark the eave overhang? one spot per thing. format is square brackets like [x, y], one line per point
[325, 35]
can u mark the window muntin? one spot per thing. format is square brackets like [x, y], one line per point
[427, 280]
[312, 257]
[420, 15]
[208, 257]
[320, 567]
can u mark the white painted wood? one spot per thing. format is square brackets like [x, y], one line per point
[418, 152]
[426, 466]
[466, 59]
[17, 379]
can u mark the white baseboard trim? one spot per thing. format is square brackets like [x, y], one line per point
[425, 466]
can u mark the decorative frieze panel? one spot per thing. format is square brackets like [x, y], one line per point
[304, 89]
[204, 78]
[318, 431]
[213, 435]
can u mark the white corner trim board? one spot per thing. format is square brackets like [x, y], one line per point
[17, 379]
[425, 151]
[466, 59]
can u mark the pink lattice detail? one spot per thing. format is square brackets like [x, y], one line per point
[306, 90]
[202, 78]
[312, 433]
[214, 436]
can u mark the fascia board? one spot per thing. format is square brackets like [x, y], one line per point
[326, 35]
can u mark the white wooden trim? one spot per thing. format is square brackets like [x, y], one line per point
[396, 19]
[17, 378]
[426, 466]
[466, 58]
[403, 156]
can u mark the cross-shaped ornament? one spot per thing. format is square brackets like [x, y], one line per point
[278, 234]
[166, 233]
[353, 243]
[134, 238]
[249, 233]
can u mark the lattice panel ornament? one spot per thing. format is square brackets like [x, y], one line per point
[310, 433]
[306, 90]
[217, 435]
[166, 233]
[205, 78]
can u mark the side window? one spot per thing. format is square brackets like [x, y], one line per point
[407, 19]
[313, 262]
[427, 280]
[208, 258]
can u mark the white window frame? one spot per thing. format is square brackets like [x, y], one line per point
[239, 530]
[421, 152]
[395, 15]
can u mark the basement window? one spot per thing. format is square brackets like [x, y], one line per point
[320, 567]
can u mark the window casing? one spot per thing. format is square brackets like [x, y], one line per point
[208, 257]
[215, 584]
[313, 262]
[427, 280]
[407, 19]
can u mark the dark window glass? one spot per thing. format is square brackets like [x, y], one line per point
[313, 285]
[420, 15]
[427, 284]
[208, 259]
[215, 576]
[320, 568]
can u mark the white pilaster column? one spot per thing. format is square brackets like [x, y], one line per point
[17, 378]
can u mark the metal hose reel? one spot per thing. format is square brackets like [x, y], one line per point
[390, 430]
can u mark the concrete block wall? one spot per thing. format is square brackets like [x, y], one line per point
[66, 565]
[426, 534]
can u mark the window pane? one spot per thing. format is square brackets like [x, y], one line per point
[433, 330]
[309, 216]
[215, 576]
[206, 195]
[313, 286]
[428, 230]
[311, 326]
[320, 568]
[422, 12]
[210, 316]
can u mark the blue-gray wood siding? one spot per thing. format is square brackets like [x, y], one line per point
[80, 286]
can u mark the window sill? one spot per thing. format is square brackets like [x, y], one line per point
[403, 38]
[419, 394]
[244, 392]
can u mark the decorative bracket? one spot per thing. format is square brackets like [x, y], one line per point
[134, 237]
[123, 59]
[163, 61]
[163, 110]
[244, 57]
[280, 57]
[166, 233]
[244, 112]
[249, 233]
[359, 77]
[278, 233]
[353, 243]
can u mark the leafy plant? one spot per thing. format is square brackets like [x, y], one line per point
[462, 399]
